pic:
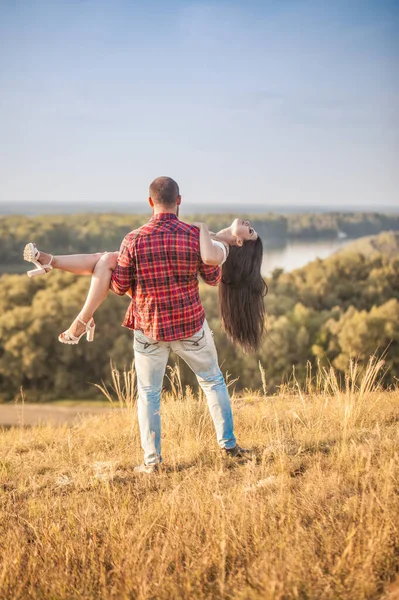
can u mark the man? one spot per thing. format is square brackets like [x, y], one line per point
[160, 262]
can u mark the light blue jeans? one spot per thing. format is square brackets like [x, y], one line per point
[200, 354]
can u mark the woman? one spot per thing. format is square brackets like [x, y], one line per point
[237, 248]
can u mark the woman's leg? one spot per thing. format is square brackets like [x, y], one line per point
[99, 285]
[98, 291]
[80, 264]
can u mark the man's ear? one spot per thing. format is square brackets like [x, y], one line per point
[178, 202]
[151, 202]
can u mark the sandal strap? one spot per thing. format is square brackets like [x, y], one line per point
[69, 336]
[81, 321]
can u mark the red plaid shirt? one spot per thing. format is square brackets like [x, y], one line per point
[160, 262]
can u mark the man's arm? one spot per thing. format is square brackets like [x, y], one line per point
[124, 274]
[211, 275]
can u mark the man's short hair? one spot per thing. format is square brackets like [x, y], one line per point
[164, 191]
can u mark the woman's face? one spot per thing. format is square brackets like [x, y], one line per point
[243, 229]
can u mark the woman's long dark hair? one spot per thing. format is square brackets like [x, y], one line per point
[241, 295]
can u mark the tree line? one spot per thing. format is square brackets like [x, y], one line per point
[80, 233]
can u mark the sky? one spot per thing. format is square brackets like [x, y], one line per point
[284, 102]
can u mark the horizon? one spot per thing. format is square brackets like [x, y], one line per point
[31, 209]
[293, 101]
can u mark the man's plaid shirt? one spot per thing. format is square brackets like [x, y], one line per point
[160, 262]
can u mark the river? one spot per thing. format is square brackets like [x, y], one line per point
[298, 253]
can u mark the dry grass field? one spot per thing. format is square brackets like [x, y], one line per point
[314, 514]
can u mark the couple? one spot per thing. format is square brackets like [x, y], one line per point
[158, 267]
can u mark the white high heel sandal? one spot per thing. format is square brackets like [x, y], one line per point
[69, 338]
[32, 254]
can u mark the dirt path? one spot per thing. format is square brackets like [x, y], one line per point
[32, 414]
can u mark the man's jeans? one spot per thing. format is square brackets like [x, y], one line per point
[200, 354]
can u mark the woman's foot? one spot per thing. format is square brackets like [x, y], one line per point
[45, 259]
[42, 261]
[77, 330]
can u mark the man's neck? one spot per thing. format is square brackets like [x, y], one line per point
[158, 210]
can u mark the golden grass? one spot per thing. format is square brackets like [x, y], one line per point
[314, 515]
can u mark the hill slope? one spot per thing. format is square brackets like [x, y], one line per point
[315, 514]
[386, 243]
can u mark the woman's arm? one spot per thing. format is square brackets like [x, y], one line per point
[211, 254]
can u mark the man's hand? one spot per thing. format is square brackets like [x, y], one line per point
[199, 224]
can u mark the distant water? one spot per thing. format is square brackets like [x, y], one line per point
[298, 253]
[187, 208]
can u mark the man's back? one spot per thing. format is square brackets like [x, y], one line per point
[161, 261]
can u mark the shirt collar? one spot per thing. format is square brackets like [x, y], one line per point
[163, 217]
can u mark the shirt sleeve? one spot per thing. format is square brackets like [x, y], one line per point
[124, 274]
[211, 275]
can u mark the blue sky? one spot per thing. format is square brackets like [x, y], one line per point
[290, 102]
